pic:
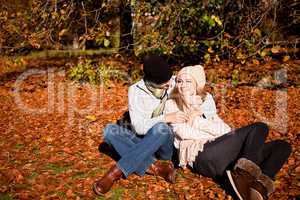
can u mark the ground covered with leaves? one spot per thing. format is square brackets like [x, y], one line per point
[49, 139]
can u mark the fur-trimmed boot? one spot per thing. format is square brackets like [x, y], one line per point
[261, 186]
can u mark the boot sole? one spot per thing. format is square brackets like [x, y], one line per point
[255, 195]
[94, 187]
[173, 177]
[233, 184]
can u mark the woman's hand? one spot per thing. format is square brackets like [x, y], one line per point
[176, 117]
[193, 113]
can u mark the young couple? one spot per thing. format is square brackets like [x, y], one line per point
[185, 116]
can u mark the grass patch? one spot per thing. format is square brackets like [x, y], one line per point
[117, 193]
[33, 175]
[180, 174]
[100, 198]
[6, 196]
[23, 186]
[61, 194]
[36, 151]
[96, 172]
[83, 175]
[79, 175]
[56, 168]
[19, 146]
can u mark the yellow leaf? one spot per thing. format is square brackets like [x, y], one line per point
[256, 62]
[63, 32]
[285, 58]
[217, 20]
[227, 35]
[257, 32]
[275, 49]
[263, 53]
[210, 50]
[91, 118]
[48, 139]
[217, 58]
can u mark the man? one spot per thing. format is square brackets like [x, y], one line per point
[151, 140]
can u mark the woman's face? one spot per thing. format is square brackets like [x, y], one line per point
[186, 85]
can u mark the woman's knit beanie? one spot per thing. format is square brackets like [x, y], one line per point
[197, 73]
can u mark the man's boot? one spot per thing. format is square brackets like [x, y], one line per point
[163, 169]
[103, 185]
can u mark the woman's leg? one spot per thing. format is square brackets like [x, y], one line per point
[244, 142]
[275, 154]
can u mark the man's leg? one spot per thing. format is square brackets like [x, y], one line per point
[140, 156]
[120, 138]
[123, 140]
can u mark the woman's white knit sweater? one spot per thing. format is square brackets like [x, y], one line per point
[190, 139]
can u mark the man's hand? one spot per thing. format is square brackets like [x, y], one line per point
[176, 117]
[195, 113]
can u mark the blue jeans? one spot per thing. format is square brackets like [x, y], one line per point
[138, 153]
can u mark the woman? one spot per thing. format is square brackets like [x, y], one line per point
[208, 145]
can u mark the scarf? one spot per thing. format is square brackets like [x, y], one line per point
[160, 94]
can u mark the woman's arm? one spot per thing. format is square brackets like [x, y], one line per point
[215, 125]
[211, 122]
[208, 107]
[185, 132]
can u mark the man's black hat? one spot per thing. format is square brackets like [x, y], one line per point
[156, 69]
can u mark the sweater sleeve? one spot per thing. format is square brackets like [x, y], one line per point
[209, 106]
[214, 126]
[140, 120]
[186, 132]
[212, 123]
[182, 130]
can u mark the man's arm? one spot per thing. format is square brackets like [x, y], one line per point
[140, 119]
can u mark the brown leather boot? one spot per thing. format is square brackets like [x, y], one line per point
[258, 191]
[163, 169]
[240, 181]
[262, 187]
[103, 185]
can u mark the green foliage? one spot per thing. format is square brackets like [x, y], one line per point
[83, 72]
[59, 25]
[185, 30]
[235, 78]
[212, 30]
[96, 73]
[178, 28]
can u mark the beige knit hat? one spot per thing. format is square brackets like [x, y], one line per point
[197, 73]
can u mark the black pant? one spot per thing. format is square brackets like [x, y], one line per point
[246, 142]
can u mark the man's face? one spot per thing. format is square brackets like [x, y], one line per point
[164, 85]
